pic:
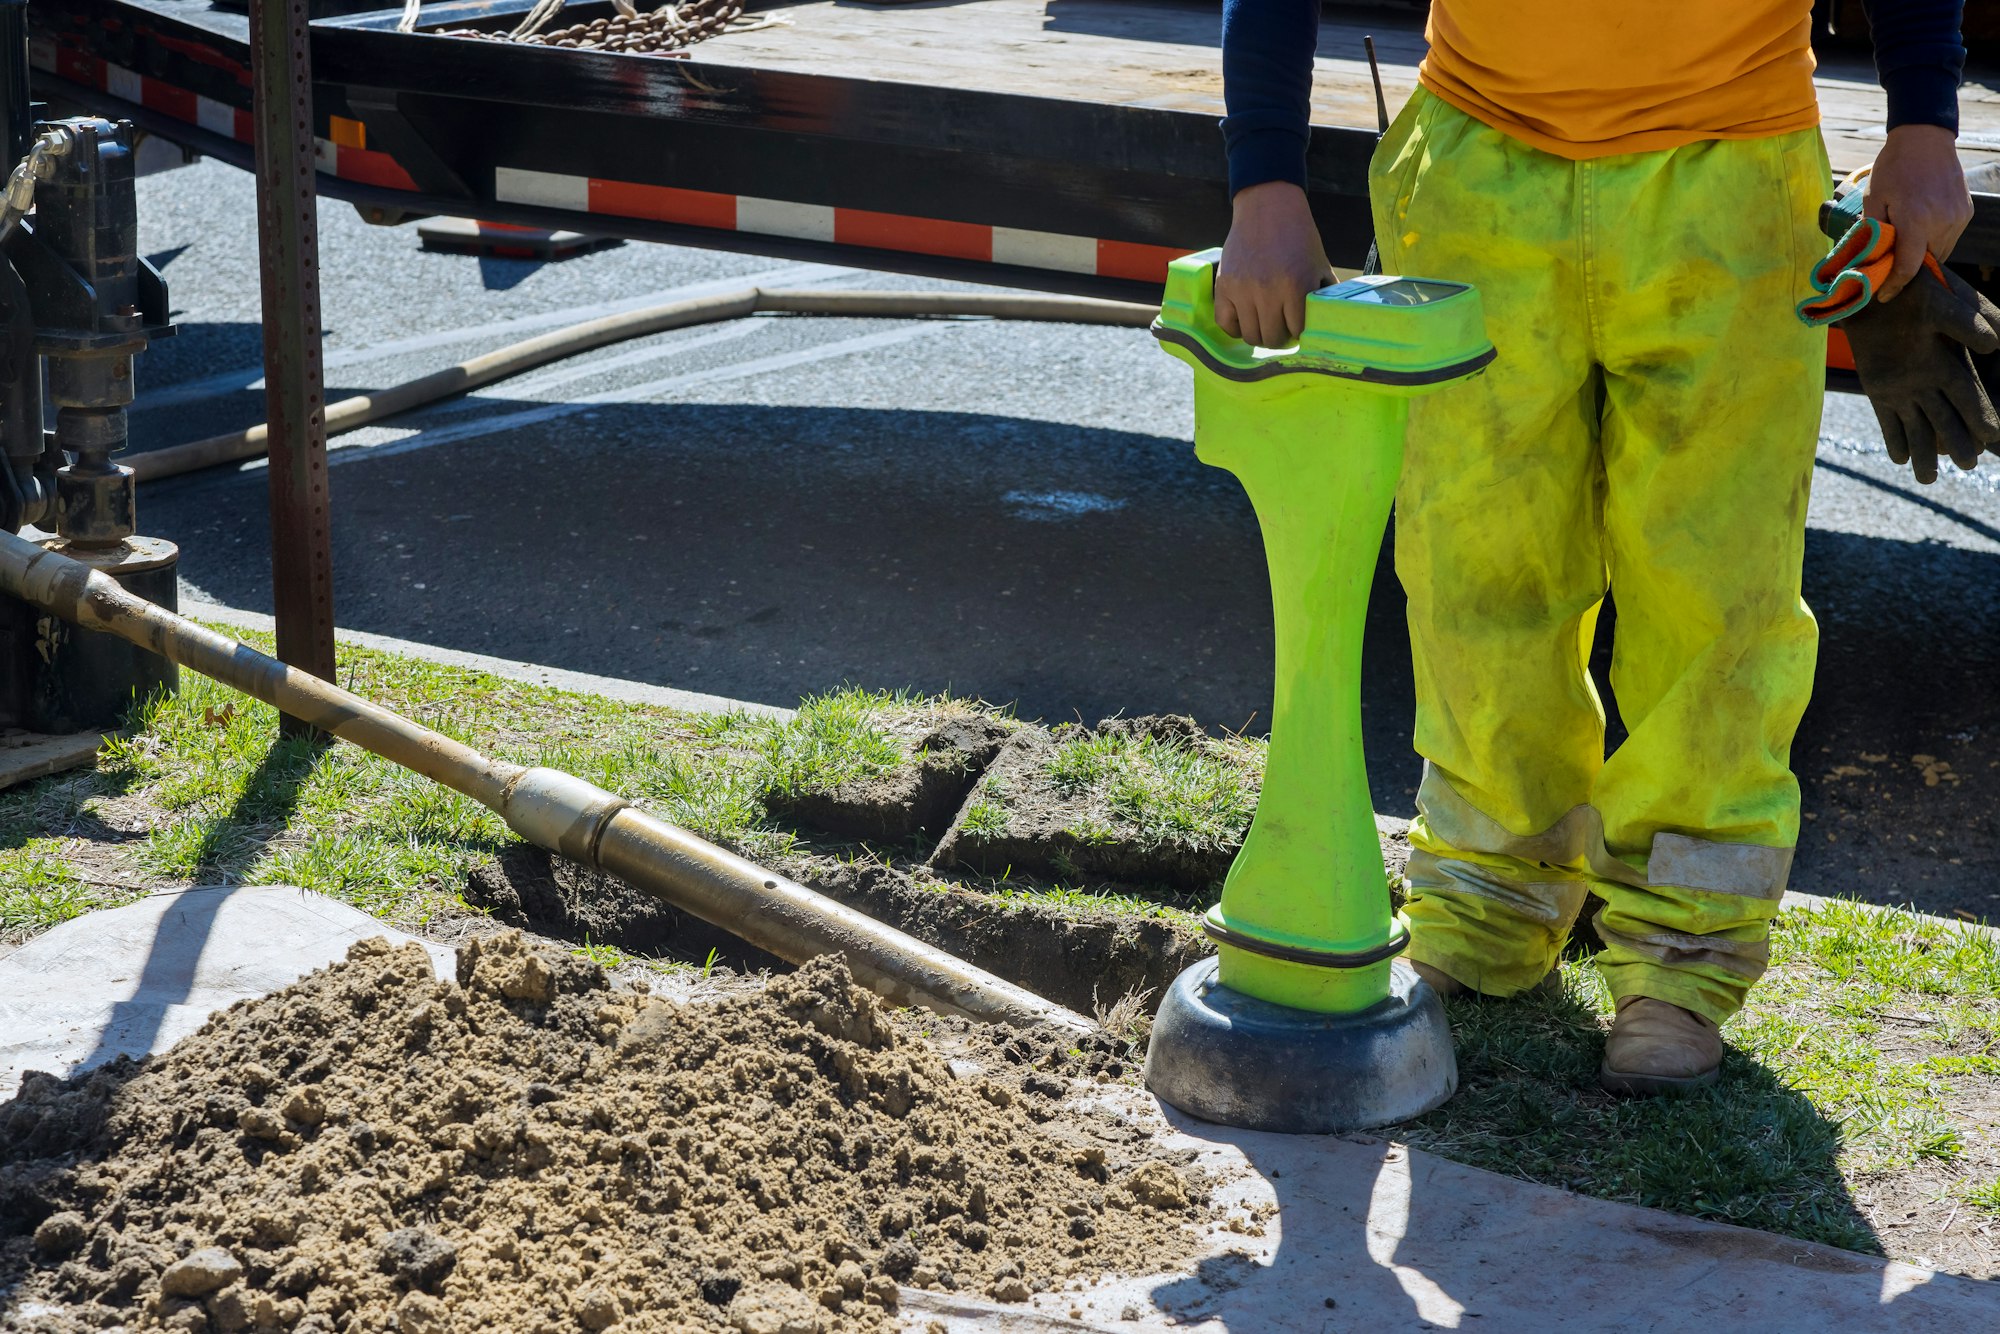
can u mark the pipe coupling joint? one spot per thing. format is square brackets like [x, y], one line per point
[560, 812]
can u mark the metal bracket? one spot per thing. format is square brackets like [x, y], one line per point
[381, 110]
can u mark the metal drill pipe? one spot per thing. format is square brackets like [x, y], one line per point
[288, 258]
[550, 808]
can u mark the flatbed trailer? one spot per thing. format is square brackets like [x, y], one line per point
[1068, 145]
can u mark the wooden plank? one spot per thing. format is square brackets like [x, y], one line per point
[26, 756]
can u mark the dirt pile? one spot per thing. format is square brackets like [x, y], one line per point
[530, 1150]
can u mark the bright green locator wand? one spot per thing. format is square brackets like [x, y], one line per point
[1303, 1022]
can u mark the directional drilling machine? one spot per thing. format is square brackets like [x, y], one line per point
[77, 302]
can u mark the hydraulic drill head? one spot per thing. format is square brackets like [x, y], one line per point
[87, 218]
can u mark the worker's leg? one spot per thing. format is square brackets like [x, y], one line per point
[1498, 546]
[1713, 397]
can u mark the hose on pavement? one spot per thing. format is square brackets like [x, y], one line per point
[353, 413]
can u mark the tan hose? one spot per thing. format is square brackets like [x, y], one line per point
[552, 809]
[353, 413]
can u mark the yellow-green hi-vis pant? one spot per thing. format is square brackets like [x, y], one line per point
[1648, 427]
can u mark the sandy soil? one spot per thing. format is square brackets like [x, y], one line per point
[371, 1149]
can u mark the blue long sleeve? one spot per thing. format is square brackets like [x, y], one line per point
[1267, 62]
[1919, 58]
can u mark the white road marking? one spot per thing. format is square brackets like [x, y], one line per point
[650, 391]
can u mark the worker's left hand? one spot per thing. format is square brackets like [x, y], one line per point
[1918, 185]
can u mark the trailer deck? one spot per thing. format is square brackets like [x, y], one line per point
[1060, 144]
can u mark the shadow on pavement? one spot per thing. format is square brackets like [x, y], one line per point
[1373, 1234]
[229, 846]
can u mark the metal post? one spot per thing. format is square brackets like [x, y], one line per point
[288, 252]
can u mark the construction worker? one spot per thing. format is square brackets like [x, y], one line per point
[1634, 189]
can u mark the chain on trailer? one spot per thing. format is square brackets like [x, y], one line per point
[668, 28]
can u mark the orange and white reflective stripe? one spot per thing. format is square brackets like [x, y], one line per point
[844, 226]
[345, 155]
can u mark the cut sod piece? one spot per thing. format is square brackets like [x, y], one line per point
[886, 767]
[1154, 803]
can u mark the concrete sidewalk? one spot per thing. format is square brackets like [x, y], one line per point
[1372, 1235]
[137, 979]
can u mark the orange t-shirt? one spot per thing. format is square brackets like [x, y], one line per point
[1589, 78]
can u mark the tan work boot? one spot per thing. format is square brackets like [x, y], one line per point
[1656, 1047]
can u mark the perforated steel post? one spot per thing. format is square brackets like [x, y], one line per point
[288, 253]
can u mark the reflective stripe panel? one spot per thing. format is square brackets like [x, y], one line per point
[1721, 868]
[543, 189]
[1677, 949]
[1554, 903]
[1749, 869]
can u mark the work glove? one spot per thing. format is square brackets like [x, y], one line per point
[1915, 359]
[1914, 355]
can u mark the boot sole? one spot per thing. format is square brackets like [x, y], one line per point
[1652, 1086]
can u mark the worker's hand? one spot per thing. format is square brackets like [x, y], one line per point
[1919, 186]
[1272, 258]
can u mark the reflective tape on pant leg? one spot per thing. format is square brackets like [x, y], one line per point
[1552, 903]
[1721, 868]
[1675, 949]
[1467, 828]
[1751, 870]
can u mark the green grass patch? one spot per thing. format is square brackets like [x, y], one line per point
[983, 817]
[1075, 901]
[222, 800]
[39, 889]
[1198, 795]
[1864, 1058]
[211, 795]
[834, 739]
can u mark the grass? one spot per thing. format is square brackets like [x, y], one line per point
[1070, 901]
[1156, 791]
[1858, 1085]
[835, 739]
[984, 817]
[210, 796]
[1985, 1197]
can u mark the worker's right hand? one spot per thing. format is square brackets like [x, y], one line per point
[1272, 258]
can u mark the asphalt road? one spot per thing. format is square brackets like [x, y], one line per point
[772, 507]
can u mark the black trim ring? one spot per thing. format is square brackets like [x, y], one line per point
[1398, 940]
[1367, 375]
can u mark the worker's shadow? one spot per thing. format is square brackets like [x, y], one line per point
[228, 848]
[1366, 1228]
